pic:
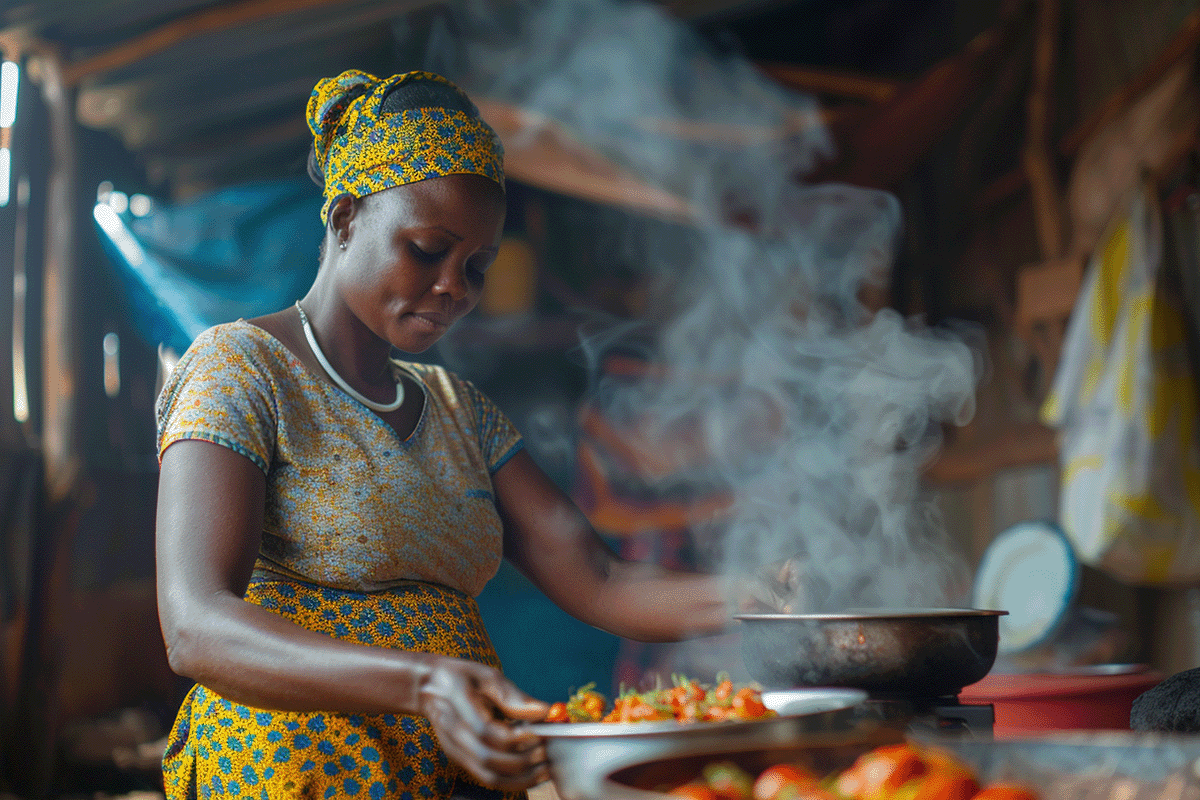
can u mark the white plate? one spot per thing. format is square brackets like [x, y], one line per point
[1029, 570]
[787, 703]
[582, 753]
[790, 702]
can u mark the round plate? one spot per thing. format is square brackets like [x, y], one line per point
[1031, 571]
[784, 702]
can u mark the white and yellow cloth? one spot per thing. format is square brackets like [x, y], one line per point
[1124, 399]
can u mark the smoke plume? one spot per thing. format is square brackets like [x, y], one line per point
[814, 410]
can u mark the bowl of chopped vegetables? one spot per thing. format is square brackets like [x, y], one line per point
[893, 770]
[587, 737]
[887, 764]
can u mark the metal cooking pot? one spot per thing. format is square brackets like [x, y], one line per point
[923, 652]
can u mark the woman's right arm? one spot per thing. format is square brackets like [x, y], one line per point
[209, 526]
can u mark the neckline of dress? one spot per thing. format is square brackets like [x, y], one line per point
[333, 390]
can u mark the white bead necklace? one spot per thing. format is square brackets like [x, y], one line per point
[339, 380]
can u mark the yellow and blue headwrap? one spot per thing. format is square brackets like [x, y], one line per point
[362, 150]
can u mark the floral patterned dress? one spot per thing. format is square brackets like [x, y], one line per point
[367, 537]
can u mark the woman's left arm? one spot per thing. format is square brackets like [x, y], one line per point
[548, 538]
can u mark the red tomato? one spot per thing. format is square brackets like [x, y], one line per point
[1005, 791]
[642, 711]
[946, 785]
[880, 771]
[694, 791]
[718, 713]
[619, 709]
[747, 704]
[783, 781]
[558, 713]
[677, 697]
[815, 793]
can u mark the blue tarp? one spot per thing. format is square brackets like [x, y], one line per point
[238, 252]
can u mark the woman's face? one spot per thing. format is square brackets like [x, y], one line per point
[416, 255]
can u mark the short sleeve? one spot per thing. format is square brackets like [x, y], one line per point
[219, 392]
[499, 439]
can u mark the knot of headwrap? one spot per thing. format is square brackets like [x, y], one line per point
[362, 150]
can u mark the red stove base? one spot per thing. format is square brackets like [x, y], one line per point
[1083, 700]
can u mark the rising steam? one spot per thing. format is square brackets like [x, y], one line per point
[817, 413]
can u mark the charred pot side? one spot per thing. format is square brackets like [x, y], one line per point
[925, 653]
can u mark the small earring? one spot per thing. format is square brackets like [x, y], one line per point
[341, 244]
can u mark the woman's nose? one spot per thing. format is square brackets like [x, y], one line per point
[452, 281]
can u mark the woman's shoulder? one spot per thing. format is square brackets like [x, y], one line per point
[237, 342]
[238, 334]
[231, 356]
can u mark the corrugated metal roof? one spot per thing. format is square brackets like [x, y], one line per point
[210, 92]
[207, 93]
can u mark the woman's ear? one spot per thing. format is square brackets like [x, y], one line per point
[343, 210]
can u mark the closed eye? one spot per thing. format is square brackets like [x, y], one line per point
[425, 256]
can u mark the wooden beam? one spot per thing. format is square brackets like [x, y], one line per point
[712, 9]
[1181, 46]
[209, 20]
[117, 107]
[833, 82]
[1019, 444]
[737, 134]
[898, 134]
[247, 144]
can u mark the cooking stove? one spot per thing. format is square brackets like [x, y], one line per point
[932, 715]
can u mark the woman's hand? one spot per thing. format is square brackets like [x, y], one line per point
[471, 707]
[773, 589]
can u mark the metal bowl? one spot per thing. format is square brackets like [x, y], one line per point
[1083, 766]
[581, 754]
[927, 652]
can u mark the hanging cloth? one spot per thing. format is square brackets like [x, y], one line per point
[1124, 401]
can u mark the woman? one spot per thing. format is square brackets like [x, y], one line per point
[326, 514]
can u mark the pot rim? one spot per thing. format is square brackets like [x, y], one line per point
[874, 614]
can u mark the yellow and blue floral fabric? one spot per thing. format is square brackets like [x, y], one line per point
[363, 150]
[349, 504]
[219, 748]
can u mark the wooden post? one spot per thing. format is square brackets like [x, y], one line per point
[36, 716]
[60, 345]
[1048, 207]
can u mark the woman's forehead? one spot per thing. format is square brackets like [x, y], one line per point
[437, 200]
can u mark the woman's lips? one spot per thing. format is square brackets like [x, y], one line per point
[433, 321]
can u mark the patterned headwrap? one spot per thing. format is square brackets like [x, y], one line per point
[362, 151]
